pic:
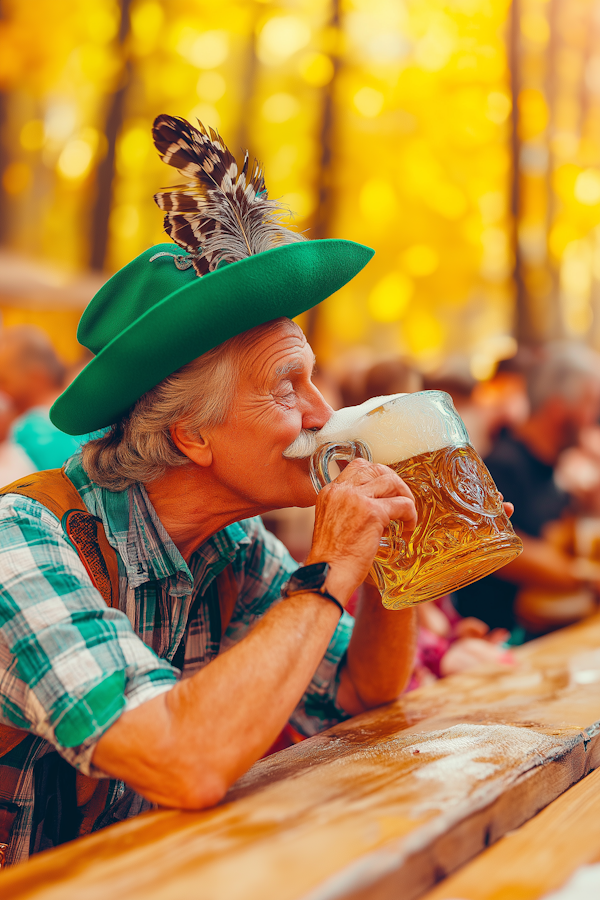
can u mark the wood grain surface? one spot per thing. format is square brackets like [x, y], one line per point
[383, 806]
[537, 858]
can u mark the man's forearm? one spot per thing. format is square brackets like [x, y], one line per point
[380, 656]
[186, 747]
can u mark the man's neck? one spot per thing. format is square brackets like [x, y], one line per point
[192, 508]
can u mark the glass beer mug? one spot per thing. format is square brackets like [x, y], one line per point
[462, 530]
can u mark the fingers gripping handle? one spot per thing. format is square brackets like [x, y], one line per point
[344, 450]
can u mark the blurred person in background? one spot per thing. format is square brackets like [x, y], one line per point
[352, 383]
[502, 400]
[33, 376]
[448, 644]
[486, 407]
[563, 390]
[392, 376]
[14, 462]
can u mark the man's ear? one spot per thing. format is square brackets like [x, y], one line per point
[196, 447]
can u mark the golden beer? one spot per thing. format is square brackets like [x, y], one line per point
[462, 531]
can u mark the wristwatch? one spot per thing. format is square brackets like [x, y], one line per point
[310, 579]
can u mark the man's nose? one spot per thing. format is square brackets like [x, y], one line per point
[318, 411]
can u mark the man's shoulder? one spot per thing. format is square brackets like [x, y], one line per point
[16, 509]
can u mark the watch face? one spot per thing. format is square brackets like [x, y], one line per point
[308, 577]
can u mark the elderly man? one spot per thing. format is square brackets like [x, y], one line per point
[206, 382]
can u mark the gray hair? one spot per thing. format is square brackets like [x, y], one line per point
[564, 370]
[199, 396]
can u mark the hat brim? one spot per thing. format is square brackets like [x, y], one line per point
[285, 281]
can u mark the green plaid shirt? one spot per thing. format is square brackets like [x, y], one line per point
[70, 665]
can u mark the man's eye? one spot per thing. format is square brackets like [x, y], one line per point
[286, 387]
[285, 392]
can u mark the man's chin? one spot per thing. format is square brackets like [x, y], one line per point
[301, 487]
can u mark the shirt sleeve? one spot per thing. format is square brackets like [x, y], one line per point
[69, 664]
[261, 572]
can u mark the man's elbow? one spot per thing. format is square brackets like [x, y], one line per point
[168, 769]
[380, 697]
[184, 787]
[356, 699]
[200, 791]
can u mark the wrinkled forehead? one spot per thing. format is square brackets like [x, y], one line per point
[273, 349]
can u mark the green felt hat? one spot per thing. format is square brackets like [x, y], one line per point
[152, 317]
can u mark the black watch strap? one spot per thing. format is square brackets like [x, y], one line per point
[310, 579]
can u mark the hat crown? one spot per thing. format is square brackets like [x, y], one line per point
[131, 292]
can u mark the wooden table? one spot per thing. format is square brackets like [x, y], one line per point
[537, 858]
[383, 806]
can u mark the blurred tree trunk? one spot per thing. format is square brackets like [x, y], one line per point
[243, 140]
[523, 323]
[106, 169]
[554, 328]
[324, 214]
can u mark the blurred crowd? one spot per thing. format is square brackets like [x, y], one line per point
[536, 423]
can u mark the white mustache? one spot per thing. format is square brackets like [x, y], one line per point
[342, 426]
[304, 445]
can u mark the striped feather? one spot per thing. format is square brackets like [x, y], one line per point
[218, 215]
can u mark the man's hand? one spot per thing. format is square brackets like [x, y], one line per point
[351, 515]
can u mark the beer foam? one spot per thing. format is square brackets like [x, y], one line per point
[399, 426]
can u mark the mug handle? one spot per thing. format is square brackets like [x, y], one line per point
[342, 450]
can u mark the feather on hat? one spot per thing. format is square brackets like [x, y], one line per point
[153, 317]
[220, 215]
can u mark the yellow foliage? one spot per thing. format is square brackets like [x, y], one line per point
[390, 297]
[391, 127]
